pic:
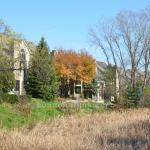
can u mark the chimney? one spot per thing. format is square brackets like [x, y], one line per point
[52, 53]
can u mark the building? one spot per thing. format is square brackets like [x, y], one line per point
[100, 68]
[20, 52]
[99, 83]
[78, 88]
[22, 55]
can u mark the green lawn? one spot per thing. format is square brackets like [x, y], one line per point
[41, 111]
[11, 118]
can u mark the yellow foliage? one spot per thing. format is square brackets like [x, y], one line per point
[76, 66]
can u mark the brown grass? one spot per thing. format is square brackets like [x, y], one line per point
[116, 130]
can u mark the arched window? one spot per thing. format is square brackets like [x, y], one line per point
[22, 55]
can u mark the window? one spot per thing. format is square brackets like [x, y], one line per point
[78, 89]
[23, 54]
[17, 88]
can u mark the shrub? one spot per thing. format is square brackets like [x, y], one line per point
[146, 97]
[9, 98]
[29, 97]
[131, 97]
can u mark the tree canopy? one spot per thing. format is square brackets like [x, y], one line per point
[76, 66]
[7, 79]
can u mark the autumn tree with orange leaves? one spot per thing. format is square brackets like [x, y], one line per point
[72, 66]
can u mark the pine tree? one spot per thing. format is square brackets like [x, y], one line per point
[109, 77]
[42, 79]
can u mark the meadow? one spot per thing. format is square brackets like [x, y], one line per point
[121, 129]
[37, 110]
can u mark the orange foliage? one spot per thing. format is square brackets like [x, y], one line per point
[76, 66]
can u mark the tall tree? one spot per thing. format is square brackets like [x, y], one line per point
[42, 78]
[125, 41]
[72, 66]
[7, 36]
[76, 66]
[7, 79]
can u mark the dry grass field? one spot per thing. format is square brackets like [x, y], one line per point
[125, 130]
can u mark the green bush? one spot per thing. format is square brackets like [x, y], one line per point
[131, 97]
[146, 97]
[29, 97]
[9, 98]
[7, 78]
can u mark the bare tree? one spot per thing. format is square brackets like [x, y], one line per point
[125, 41]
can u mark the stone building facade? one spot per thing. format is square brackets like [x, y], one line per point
[21, 54]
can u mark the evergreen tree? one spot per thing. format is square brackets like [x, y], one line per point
[109, 77]
[42, 79]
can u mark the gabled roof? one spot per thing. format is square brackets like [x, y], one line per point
[100, 67]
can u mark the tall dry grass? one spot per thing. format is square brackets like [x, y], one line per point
[116, 130]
